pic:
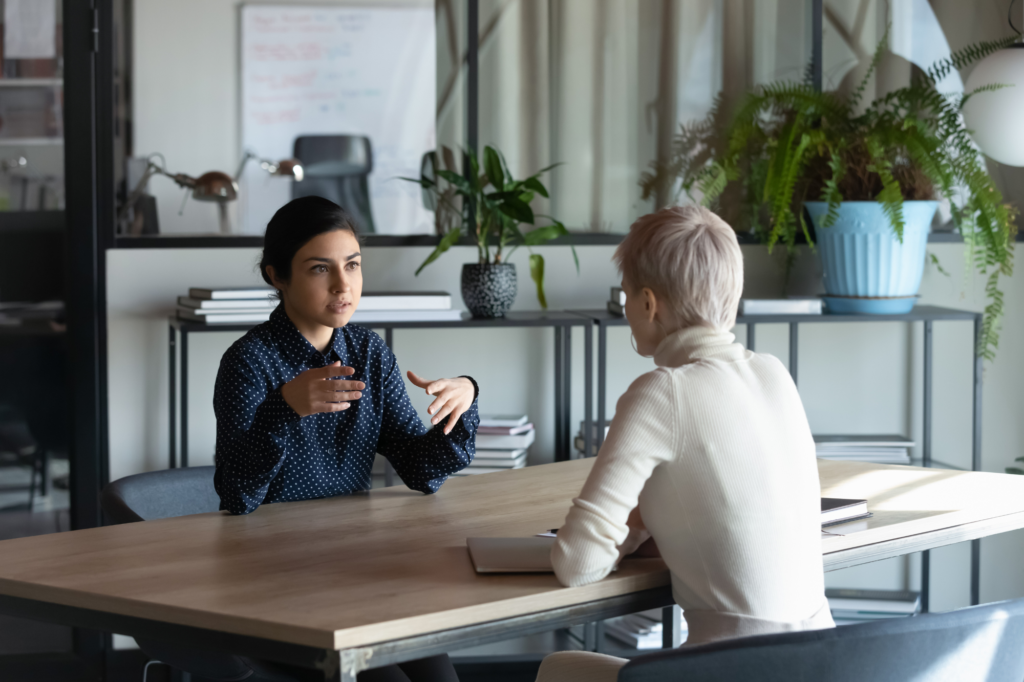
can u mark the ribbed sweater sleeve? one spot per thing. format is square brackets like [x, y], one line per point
[642, 436]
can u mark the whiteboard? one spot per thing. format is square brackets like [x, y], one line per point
[339, 70]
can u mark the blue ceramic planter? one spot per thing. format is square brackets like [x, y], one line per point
[867, 269]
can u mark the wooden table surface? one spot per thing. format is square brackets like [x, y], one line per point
[392, 563]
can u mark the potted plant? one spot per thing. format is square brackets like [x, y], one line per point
[489, 205]
[868, 180]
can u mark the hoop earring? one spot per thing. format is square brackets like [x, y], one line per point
[632, 342]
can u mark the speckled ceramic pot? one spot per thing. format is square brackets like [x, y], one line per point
[488, 290]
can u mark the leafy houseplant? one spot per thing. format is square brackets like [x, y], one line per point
[787, 144]
[489, 205]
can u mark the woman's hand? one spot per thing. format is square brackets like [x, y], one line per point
[453, 398]
[316, 391]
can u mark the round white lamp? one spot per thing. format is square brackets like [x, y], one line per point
[993, 117]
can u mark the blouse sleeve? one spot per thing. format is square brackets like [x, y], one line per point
[642, 436]
[423, 459]
[252, 434]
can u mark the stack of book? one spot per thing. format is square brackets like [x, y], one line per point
[501, 444]
[250, 305]
[254, 305]
[884, 449]
[580, 446]
[858, 606]
[639, 630]
[781, 306]
[617, 302]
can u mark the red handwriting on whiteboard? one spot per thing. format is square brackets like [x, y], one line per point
[283, 52]
[276, 116]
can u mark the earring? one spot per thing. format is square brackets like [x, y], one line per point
[632, 342]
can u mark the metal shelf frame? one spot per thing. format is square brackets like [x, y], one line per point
[560, 321]
[926, 314]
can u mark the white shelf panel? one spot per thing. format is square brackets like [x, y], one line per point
[31, 141]
[31, 82]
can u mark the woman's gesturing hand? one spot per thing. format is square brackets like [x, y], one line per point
[315, 390]
[452, 397]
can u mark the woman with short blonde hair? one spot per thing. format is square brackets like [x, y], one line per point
[709, 456]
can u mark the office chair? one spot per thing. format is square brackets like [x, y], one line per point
[337, 167]
[976, 644]
[178, 492]
[19, 449]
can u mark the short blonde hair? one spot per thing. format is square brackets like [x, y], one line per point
[689, 256]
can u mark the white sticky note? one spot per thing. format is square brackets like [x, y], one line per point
[30, 29]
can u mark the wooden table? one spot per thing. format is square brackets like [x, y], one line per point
[361, 581]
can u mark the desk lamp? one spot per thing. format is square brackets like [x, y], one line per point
[212, 186]
[291, 168]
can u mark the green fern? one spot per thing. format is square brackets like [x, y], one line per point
[785, 142]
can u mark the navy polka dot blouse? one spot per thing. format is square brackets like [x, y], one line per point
[267, 453]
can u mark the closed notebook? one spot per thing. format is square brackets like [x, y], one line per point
[511, 555]
[838, 510]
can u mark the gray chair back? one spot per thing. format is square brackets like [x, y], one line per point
[337, 167]
[160, 495]
[179, 492]
[981, 643]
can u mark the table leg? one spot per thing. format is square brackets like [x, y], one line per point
[172, 401]
[590, 637]
[926, 456]
[588, 389]
[794, 348]
[566, 435]
[671, 627]
[184, 398]
[976, 455]
[602, 372]
[559, 395]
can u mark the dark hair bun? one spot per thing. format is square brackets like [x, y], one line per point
[293, 225]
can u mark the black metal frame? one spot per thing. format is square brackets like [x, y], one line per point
[925, 314]
[561, 322]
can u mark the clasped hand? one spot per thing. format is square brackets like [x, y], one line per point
[320, 390]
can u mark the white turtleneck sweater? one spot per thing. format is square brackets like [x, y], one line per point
[715, 446]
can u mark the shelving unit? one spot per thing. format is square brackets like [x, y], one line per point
[925, 314]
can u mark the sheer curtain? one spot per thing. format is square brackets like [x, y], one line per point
[602, 85]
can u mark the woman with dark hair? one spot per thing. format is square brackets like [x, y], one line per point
[305, 400]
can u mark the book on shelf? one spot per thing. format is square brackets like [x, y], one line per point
[231, 293]
[516, 463]
[361, 316]
[219, 317]
[616, 309]
[500, 455]
[503, 419]
[618, 296]
[492, 442]
[838, 510]
[504, 430]
[227, 304]
[853, 605]
[405, 300]
[879, 449]
[473, 470]
[781, 306]
[634, 640]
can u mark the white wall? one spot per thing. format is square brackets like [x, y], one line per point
[853, 377]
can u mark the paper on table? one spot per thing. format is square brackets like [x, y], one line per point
[30, 29]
